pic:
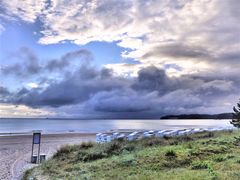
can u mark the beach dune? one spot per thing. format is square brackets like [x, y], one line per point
[15, 151]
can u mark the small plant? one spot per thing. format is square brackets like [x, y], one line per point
[200, 165]
[114, 147]
[230, 156]
[189, 146]
[129, 147]
[128, 160]
[212, 172]
[27, 175]
[86, 145]
[85, 156]
[152, 142]
[171, 154]
[219, 159]
[65, 150]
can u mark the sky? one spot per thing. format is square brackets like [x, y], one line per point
[118, 59]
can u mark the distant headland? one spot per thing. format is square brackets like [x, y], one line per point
[199, 116]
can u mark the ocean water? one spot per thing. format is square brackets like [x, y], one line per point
[70, 125]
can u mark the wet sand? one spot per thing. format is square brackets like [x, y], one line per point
[15, 151]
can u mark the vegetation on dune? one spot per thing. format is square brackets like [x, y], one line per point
[199, 156]
[236, 116]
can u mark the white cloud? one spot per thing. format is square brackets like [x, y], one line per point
[207, 27]
[27, 10]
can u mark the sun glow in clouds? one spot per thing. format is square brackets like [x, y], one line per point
[32, 85]
[8, 110]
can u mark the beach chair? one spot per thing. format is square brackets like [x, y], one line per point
[133, 136]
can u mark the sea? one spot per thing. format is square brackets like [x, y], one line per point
[19, 125]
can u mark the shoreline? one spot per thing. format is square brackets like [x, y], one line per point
[59, 133]
[73, 132]
[46, 133]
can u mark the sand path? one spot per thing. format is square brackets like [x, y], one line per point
[15, 151]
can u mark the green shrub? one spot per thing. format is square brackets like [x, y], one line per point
[27, 175]
[65, 150]
[146, 142]
[208, 135]
[170, 154]
[219, 159]
[130, 147]
[114, 147]
[85, 156]
[173, 162]
[184, 138]
[86, 145]
[100, 151]
[128, 160]
[229, 156]
[199, 165]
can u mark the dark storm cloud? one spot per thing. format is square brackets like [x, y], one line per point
[4, 91]
[76, 88]
[29, 64]
[124, 100]
[13, 69]
[56, 64]
[64, 61]
[233, 57]
[152, 78]
[235, 8]
[152, 93]
[4, 94]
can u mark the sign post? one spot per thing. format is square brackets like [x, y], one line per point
[36, 140]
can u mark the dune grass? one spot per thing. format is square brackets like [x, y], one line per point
[203, 155]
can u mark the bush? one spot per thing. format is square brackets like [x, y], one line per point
[100, 151]
[86, 145]
[170, 154]
[27, 175]
[219, 159]
[130, 147]
[114, 147]
[208, 135]
[152, 142]
[90, 156]
[200, 165]
[128, 160]
[184, 138]
[65, 150]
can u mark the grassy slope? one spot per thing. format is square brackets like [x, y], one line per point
[200, 156]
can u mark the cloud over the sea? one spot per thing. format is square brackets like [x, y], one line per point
[150, 94]
[185, 57]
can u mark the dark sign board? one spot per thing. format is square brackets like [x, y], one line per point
[36, 138]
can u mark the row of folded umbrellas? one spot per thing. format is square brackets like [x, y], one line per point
[106, 137]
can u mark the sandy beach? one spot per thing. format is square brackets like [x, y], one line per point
[15, 151]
